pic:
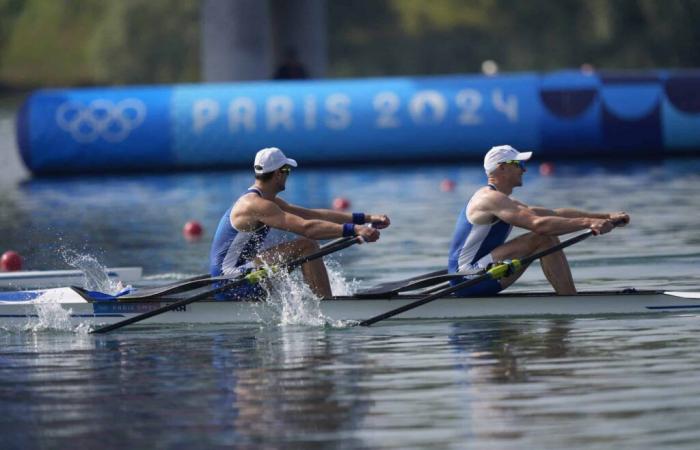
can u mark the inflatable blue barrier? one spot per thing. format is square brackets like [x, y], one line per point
[571, 116]
[681, 112]
[558, 115]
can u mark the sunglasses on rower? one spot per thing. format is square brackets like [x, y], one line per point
[286, 170]
[513, 162]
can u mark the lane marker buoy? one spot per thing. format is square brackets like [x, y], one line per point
[192, 230]
[447, 185]
[11, 261]
[341, 203]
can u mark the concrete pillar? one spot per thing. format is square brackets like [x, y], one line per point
[236, 40]
[248, 39]
[301, 25]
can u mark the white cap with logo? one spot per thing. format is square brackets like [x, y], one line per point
[500, 154]
[270, 159]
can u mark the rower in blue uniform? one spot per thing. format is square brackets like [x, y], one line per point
[241, 241]
[487, 219]
[233, 252]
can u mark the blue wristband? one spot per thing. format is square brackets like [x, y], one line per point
[348, 229]
[358, 218]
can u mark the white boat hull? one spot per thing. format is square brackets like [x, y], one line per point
[54, 278]
[21, 312]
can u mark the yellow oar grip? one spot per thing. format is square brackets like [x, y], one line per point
[504, 269]
[258, 275]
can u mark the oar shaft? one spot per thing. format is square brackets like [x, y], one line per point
[155, 312]
[555, 248]
[494, 273]
[189, 284]
[423, 301]
[256, 275]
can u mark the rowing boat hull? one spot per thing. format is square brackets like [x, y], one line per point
[22, 312]
[54, 278]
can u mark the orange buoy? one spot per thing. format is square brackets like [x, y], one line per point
[11, 261]
[341, 203]
[192, 230]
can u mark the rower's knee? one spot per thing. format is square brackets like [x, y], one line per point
[541, 241]
[308, 245]
[548, 241]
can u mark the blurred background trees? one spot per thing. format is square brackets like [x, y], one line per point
[84, 42]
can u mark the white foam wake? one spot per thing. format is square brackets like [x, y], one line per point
[291, 302]
[51, 316]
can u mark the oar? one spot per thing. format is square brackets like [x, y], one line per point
[253, 277]
[496, 272]
[179, 287]
[393, 288]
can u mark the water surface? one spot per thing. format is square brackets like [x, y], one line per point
[609, 382]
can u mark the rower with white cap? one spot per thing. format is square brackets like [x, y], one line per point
[488, 217]
[241, 239]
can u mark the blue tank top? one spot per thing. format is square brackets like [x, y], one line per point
[232, 249]
[471, 242]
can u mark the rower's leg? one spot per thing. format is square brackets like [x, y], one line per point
[557, 270]
[555, 265]
[314, 271]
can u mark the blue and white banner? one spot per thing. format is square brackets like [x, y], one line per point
[362, 120]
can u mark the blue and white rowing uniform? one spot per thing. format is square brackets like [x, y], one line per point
[471, 249]
[233, 252]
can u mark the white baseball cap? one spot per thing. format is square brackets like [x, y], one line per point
[270, 159]
[500, 154]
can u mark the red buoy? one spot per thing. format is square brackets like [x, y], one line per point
[10, 261]
[341, 203]
[546, 169]
[447, 185]
[192, 230]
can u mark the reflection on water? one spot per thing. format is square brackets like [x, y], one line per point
[246, 387]
[473, 384]
[545, 384]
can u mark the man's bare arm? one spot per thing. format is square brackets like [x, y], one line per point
[621, 218]
[330, 215]
[272, 215]
[540, 220]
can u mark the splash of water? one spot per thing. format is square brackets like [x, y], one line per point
[292, 300]
[339, 284]
[293, 303]
[95, 274]
[51, 316]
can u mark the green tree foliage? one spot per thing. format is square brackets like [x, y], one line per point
[45, 41]
[439, 36]
[69, 42]
[9, 10]
[146, 41]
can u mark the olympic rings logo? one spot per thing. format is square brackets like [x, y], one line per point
[101, 118]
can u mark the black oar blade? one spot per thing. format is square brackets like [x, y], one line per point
[152, 293]
[228, 284]
[388, 290]
[173, 288]
[394, 288]
[443, 293]
[189, 284]
[168, 307]
[391, 288]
